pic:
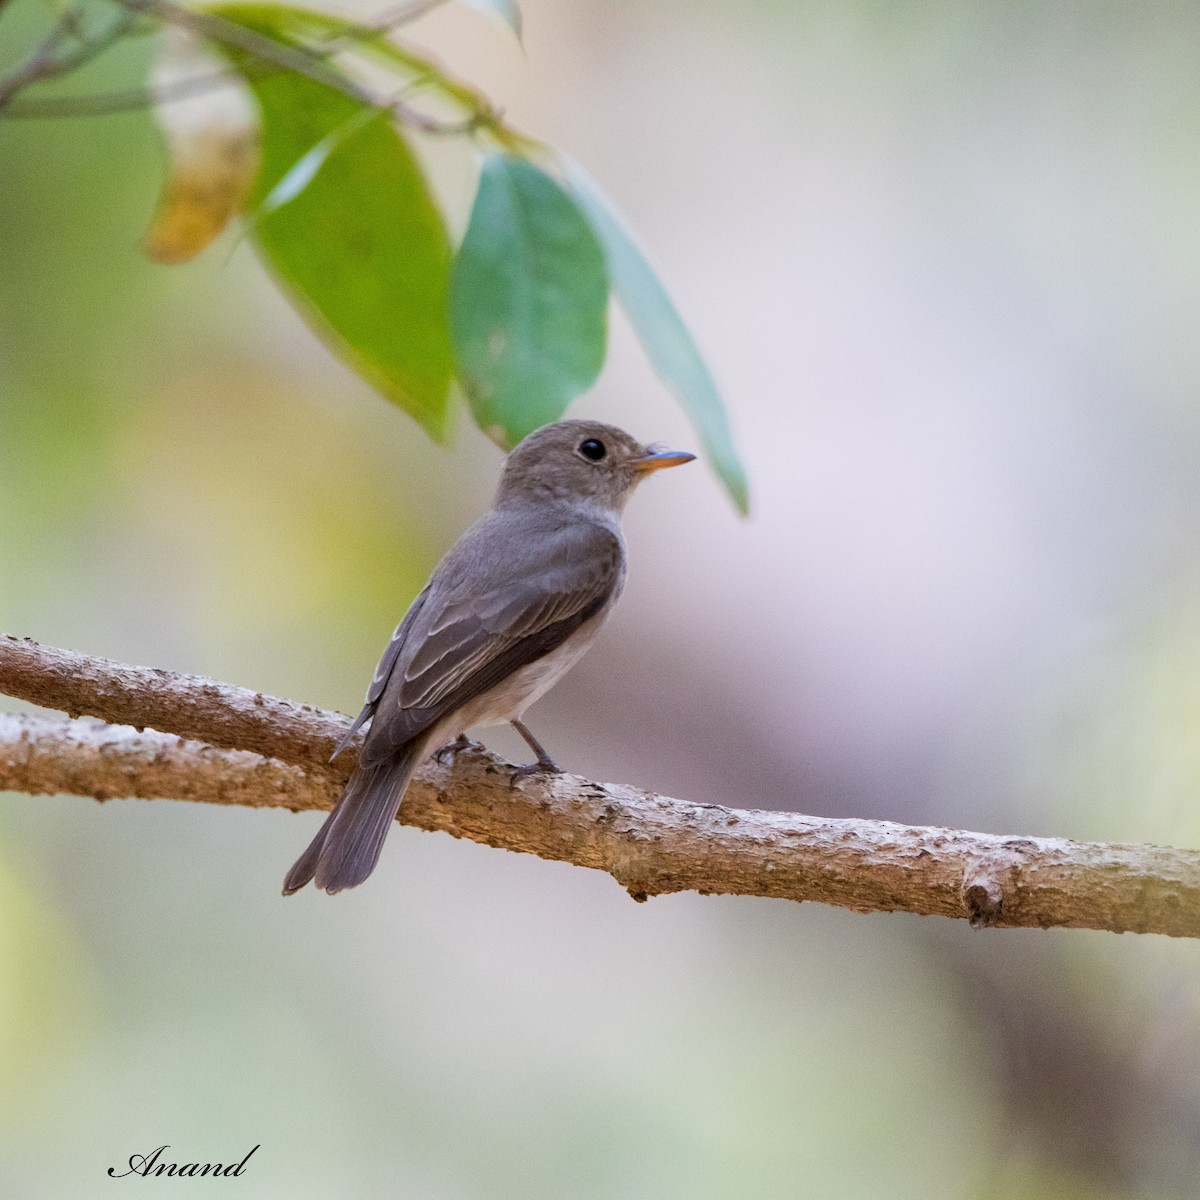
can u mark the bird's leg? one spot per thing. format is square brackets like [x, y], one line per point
[450, 749]
[545, 765]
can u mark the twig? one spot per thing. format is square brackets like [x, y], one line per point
[273, 55]
[39, 65]
[136, 99]
[650, 844]
[265, 49]
[46, 63]
[106, 103]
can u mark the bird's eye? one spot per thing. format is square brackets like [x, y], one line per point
[592, 449]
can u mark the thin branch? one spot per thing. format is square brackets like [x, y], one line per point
[136, 99]
[40, 64]
[270, 54]
[273, 55]
[650, 844]
[47, 63]
[106, 103]
[259, 46]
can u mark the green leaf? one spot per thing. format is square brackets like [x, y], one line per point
[664, 337]
[305, 171]
[359, 246]
[509, 11]
[528, 301]
[286, 23]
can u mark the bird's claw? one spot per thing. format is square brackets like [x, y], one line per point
[448, 752]
[542, 767]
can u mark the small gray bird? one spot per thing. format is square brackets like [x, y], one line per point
[507, 612]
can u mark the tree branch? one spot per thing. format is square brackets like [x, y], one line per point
[263, 751]
[50, 757]
[187, 705]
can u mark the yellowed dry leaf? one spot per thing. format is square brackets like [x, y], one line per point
[213, 146]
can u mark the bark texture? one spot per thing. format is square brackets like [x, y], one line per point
[222, 744]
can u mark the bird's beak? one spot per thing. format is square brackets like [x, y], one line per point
[657, 460]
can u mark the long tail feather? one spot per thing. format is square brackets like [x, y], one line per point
[347, 846]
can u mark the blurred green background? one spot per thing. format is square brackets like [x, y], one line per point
[945, 257]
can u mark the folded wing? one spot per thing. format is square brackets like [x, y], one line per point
[505, 597]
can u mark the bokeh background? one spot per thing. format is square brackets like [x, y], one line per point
[945, 258]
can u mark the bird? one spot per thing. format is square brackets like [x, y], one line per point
[514, 605]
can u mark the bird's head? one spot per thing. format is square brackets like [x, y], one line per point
[582, 461]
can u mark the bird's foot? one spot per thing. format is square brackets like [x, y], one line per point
[448, 752]
[543, 766]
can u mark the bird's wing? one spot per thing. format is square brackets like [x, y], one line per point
[382, 673]
[503, 598]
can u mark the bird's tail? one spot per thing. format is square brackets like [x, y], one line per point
[347, 847]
